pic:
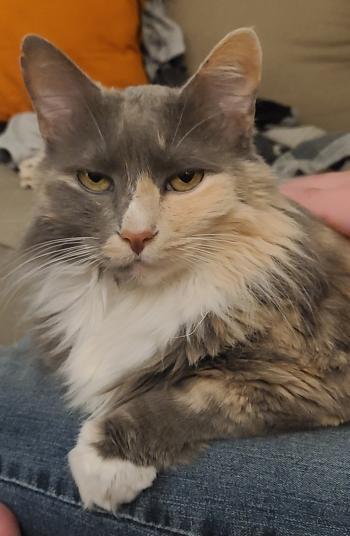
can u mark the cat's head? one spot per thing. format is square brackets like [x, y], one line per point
[158, 180]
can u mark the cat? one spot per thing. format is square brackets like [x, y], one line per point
[179, 295]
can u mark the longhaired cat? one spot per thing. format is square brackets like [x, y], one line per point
[180, 296]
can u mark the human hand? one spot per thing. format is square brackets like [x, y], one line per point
[8, 523]
[327, 196]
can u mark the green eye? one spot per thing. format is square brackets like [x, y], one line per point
[95, 182]
[186, 180]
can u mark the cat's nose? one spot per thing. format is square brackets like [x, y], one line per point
[138, 241]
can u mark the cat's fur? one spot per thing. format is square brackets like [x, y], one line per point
[235, 322]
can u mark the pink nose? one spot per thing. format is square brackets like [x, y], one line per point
[138, 241]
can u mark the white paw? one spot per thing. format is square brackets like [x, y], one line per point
[107, 483]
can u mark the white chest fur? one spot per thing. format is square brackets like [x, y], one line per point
[114, 330]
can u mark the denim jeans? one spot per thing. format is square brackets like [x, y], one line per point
[295, 484]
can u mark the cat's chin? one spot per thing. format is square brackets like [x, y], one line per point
[134, 270]
[143, 273]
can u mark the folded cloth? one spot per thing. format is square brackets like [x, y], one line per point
[294, 149]
[163, 45]
[21, 138]
[326, 153]
[291, 137]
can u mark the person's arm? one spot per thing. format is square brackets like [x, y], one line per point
[327, 196]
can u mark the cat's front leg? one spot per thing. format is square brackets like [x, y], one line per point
[105, 481]
[118, 456]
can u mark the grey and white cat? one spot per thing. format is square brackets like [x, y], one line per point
[180, 296]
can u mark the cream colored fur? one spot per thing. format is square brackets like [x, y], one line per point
[111, 329]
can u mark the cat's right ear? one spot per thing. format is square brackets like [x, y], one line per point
[61, 93]
[226, 83]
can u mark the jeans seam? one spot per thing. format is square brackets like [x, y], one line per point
[22, 484]
[126, 517]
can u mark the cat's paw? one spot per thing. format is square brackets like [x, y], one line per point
[106, 483]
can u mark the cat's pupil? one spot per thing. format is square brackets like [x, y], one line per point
[186, 176]
[95, 177]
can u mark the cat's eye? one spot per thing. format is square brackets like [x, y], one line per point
[94, 182]
[186, 180]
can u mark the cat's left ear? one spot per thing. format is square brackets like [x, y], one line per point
[63, 96]
[226, 83]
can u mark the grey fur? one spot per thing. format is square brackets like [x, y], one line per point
[117, 132]
[291, 366]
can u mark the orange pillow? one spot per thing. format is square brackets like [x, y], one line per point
[102, 37]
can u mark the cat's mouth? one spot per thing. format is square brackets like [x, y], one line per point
[133, 269]
[137, 264]
[148, 268]
[141, 270]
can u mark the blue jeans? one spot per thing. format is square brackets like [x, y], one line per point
[295, 484]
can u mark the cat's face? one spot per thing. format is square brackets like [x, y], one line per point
[151, 176]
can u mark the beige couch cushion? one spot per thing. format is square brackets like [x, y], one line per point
[306, 47]
[15, 208]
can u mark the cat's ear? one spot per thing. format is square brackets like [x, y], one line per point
[226, 82]
[61, 93]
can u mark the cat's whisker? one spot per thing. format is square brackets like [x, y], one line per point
[128, 176]
[209, 234]
[210, 252]
[95, 122]
[233, 241]
[213, 240]
[42, 252]
[48, 245]
[86, 264]
[206, 247]
[179, 122]
[44, 244]
[199, 252]
[194, 330]
[17, 290]
[57, 248]
[51, 252]
[187, 256]
[209, 237]
[217, 244]
[66, 239]
[192, 260]
[218, 238]
[210, 243]
[200, 255]
[205, 120]
[196, 258]
[78, 260]
[189, 259]
[30, 276]
[59, 241]
[64, 256]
